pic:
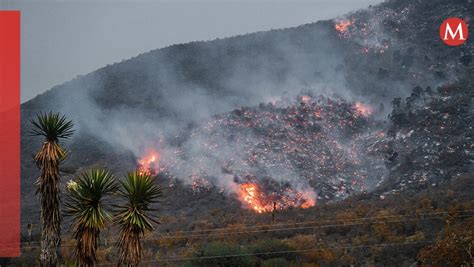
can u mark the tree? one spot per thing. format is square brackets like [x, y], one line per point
[134, 217]
[87, 203]
[53, 127]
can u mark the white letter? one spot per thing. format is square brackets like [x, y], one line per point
[453, 35]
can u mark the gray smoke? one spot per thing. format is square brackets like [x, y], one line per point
[170, 91]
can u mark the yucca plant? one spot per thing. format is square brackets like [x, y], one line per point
[53, 127]
[88, 203]
[135, 216]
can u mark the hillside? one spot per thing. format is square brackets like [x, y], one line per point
[371, 104]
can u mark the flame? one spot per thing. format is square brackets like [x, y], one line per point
[363, 109]
[309, 199]
[308, 204]
[146, 165]
[343, 26]
[252, 196]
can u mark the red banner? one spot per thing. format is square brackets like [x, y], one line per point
[9, 133]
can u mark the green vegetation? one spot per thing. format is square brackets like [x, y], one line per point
[86, 203]
[221, 254]
[135, 217]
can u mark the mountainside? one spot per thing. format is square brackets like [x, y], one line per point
[363, 135]
[430, 140]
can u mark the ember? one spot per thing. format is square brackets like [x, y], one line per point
[343, 26]
[363, 109]
[283, 144]
[278, 156]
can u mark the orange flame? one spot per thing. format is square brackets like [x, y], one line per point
[146, 165]
[363, 109]
[309, 200]
[251, 195]
[343, 26]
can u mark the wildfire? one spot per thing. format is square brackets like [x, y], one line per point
[343, 26]
[254, 198]
[285, 138]
[309, 200]
[363, 109]
[146, 165]
[250, 194]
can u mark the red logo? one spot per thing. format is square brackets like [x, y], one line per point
[453, 31]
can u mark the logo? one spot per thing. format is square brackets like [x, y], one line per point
[453, 31]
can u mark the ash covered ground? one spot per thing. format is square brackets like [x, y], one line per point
[323, 149]
[317, 147]
[430, 138]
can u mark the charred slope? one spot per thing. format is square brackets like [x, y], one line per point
[430, 140]
[336, 148]
[318, 145]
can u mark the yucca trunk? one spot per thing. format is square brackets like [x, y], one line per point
[130, 248]
[48, 159]
[53, 127]
[88, 203]
[87, 239]
[136, 216]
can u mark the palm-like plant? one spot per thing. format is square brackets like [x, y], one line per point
[53, 127]
[135, 217]
[87, 203]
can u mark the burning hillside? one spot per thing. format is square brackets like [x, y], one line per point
[342, 27]
[279, 156]
[293, 154]
[376, 31]
[148, 164]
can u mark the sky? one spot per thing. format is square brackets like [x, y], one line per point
[63, 39]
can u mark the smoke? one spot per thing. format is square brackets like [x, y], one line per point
[157, 95]
[156, 100]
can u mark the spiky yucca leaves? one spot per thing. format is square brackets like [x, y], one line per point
[88, 205]
[135, 217]
[53, 127]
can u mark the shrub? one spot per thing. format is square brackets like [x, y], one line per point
[272, 245]
[219, 254]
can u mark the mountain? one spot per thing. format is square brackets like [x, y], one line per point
[370, 124]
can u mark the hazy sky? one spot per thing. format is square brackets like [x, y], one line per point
[63, 39]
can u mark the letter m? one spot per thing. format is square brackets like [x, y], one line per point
[453, 34]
